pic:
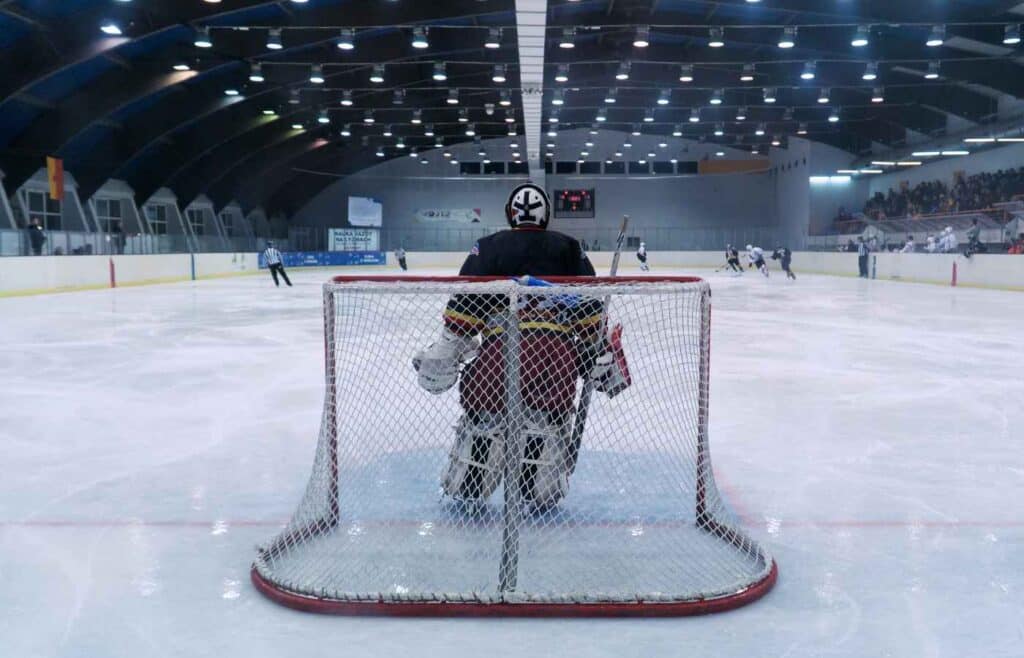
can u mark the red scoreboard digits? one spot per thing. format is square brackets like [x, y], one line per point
[574, 203]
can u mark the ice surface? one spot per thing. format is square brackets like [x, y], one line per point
[868, 432]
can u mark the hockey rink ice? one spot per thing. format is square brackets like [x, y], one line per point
[869, 433]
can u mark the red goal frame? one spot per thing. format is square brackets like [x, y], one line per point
[705, 521]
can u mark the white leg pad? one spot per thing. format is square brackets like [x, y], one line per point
[550, 467]
[475, 463]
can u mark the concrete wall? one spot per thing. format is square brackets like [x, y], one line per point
[29, 275]
[664, 210]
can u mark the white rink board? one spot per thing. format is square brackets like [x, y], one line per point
[868, 432]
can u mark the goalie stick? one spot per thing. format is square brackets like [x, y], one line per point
[583, 407]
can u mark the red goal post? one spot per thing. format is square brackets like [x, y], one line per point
[642, 530]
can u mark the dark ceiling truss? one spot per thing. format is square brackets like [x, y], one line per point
[112, 107]
[678, 34]
[172, 125]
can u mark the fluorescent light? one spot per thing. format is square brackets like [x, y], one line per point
[256, 73]
[937, 36]
[788, 38]
[643, 37]
[377, 75]
[440, 74]
[112, 29]
[862, 37]
[809, 71]
[419, 38]
[566, 42]
[493, 41]
[347, 40]
[908, 163]
[870, 171]
[1003, 140]
[883, 163]
[838, 179]
[274, 40]
[1011, 35]
[269, 113]
[870, 72]
[956, 152]
[748, 73]
[231, 92]
[846, 171]
[933, 71]
[686, 73]
[818, 180]
[316, 74]
[925, 154]
[562, 75]
[182, 67]
[980, 140]
[717, 37]
[499, 73]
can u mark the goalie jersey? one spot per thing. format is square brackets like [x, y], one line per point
[514, 253]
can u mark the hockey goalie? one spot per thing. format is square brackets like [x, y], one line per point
[561, 340]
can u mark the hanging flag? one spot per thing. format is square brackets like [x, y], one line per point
[55, 174]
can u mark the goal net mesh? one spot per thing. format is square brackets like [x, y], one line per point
[496, 492]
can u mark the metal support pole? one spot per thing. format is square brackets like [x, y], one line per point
[514, 446]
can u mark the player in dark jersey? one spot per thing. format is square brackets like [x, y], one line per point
[732, 258]
[559, 341]
[785, 256]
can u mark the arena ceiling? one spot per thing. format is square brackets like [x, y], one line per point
[120, 88]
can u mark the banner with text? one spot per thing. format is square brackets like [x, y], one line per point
[329, 258]
[461, 215]
[353, 239]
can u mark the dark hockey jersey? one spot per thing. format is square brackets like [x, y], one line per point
[513, 253]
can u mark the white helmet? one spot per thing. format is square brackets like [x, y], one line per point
[643, 244]
[949, 229]
[749, 247]
[528, 205]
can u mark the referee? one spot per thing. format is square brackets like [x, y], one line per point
[273, 258]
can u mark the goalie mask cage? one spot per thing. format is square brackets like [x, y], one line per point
[640, 530]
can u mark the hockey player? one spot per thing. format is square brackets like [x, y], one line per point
[930, 245]
[641, 255]
[949, 241]
[755, 258]
[560, 340]
[400, 257]
[785, 257]
[973, 235]
[908, 247]
[732, 258]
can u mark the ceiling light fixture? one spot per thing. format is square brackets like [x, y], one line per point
[788, 38]
[861, 37]
[347, 39]
[716, 37]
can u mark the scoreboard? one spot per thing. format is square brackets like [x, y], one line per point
[574, 203]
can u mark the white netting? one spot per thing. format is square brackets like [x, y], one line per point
[410, 498]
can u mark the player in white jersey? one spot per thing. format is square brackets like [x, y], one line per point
[641, 255]
[952, 243]
[909, 247]
[755, 258]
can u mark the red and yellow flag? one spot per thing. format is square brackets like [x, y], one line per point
[55, 173]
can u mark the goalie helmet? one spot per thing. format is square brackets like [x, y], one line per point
[528, 205]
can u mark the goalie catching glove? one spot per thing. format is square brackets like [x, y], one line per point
[608, 366]
[437, 366]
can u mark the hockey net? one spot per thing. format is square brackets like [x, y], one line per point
[475, 501]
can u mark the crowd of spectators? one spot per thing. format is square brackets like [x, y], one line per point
[975, 192]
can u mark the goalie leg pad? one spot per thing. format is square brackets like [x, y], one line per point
[545, 463]
[475, 463]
